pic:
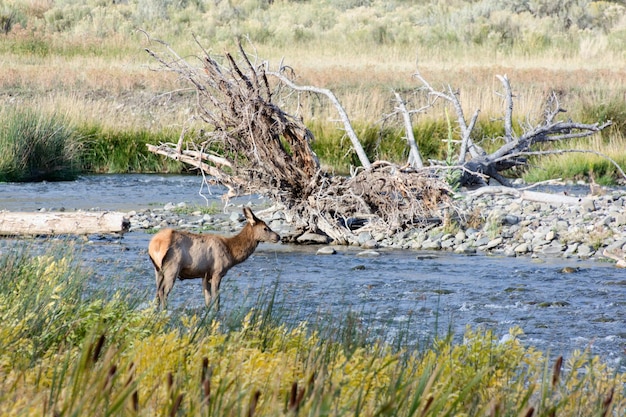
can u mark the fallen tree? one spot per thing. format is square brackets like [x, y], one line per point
[478, 166]
[251, 145]
[62, 223]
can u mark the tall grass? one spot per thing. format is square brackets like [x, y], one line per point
[35, 147]
[109, 151]
[68, 351]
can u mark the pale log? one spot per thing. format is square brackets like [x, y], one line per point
[539, 197]
[60, 223]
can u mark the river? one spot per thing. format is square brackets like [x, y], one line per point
[399, 292]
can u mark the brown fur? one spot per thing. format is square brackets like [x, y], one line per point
[188, 255]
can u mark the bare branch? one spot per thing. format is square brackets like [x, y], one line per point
[467, 142]
[356, 144]
[415, 159]
[508, 113]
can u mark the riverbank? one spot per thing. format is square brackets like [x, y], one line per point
[477, 224]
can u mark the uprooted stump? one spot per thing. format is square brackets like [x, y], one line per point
[383, 199]
[250, 145]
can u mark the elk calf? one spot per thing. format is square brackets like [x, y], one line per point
[188, 255]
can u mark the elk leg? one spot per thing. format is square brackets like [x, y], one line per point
[215, 289]
[164, 287]
[159, 285]
[206, 289]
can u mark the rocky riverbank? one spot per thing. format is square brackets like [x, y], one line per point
[498, 224]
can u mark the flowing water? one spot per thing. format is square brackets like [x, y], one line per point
[399, 292]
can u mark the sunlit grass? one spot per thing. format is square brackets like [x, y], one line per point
[73, 351]
[582, 165]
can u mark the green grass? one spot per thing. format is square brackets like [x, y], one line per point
[36, 147]
[189, 209]
[112, 151]
[69, 351]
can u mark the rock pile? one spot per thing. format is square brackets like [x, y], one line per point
[500, 224]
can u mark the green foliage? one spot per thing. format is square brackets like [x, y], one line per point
[9, 17]
[603, 109]
[576, 166]
[67, 351]
[384, 143]
[186, 210]
[43, 307]
[36, 147]
[105, 150]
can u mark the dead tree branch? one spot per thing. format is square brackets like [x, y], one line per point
[515, 150]
[415, 158]
[251, 145]
[356, 144]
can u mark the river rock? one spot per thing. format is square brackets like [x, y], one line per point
[368, 253]
[510, 219]
[326, 250]
[588, 205]
[372, 244]
[465, 249]
[555, 248]
[494, 243]
[584, 251]
[364, 237]
[522, 248]
[431, 245]
[312, 238]
[236, 217]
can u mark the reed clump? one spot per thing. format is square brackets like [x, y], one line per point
[35, 147]
[68, 351]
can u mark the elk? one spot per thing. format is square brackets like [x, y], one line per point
[186, 255]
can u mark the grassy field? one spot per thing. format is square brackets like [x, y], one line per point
[84, 60]
[69, 351]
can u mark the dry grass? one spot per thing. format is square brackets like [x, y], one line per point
[107, 76]
[365, 91]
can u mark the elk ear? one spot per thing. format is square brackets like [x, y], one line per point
[250, 216]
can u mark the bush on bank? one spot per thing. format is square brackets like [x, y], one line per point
[68, 350]
[35, 147]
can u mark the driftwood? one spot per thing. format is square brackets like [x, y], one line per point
[477, 166]
[61, 223]
[556, 199]
[251, 145]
